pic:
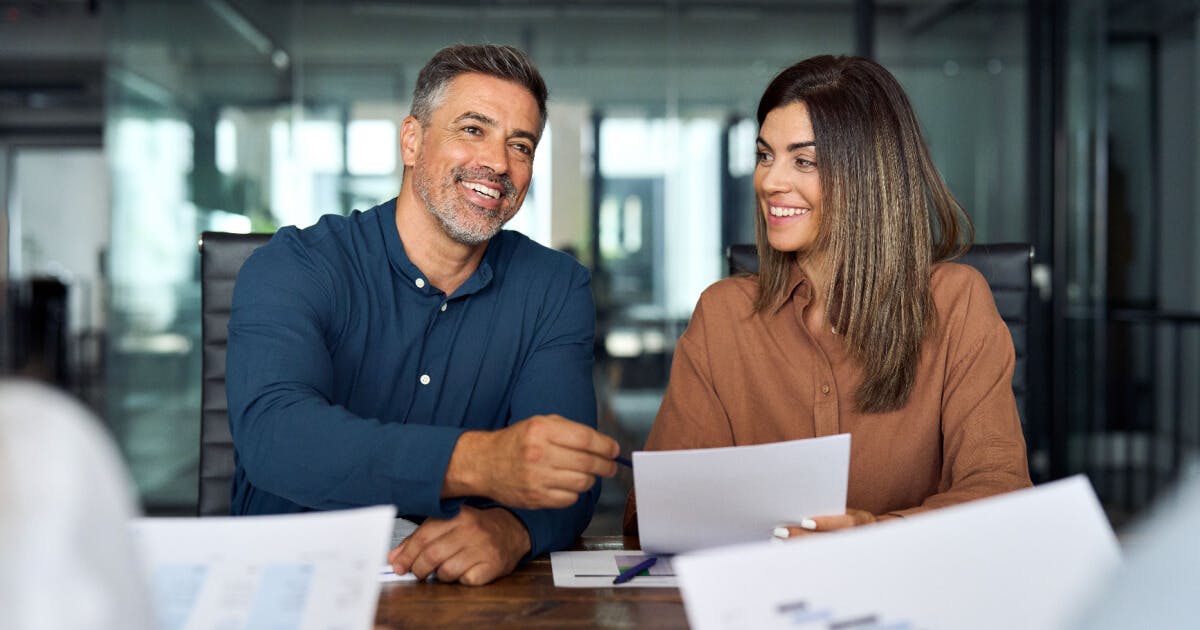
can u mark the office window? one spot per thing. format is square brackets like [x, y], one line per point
[371, 147]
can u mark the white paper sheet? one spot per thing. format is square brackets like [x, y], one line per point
[700, 498]
[386, 574]
[596, 569]
[310, 571]
[1026, 560]
[401, 529]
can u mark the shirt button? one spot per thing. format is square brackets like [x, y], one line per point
[443, 307]
[824, 389]
[420, 282]
[424, 379]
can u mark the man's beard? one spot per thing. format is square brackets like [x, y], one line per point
[453, 212]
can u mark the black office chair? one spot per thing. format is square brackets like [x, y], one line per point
[221, 256]
[1005, 266]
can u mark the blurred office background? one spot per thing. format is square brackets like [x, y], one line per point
[129, 127]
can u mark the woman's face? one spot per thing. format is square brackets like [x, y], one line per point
[786, 178]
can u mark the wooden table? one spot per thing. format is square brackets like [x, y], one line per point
[529, 599]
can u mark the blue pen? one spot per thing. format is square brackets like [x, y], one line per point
[623, 461]
[629, 573]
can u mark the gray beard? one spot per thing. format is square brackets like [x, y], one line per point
[446, 218]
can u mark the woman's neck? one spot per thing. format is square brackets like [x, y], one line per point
[816, 271]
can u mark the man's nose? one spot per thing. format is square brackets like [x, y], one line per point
[494, 155]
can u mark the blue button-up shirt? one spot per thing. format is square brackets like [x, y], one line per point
[350, 377]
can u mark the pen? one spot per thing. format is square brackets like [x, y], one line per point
[629, 573]
[623, 461]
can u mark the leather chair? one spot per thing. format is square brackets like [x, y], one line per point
[221, 256]
[1005, 266]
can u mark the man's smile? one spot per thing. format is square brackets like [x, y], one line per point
[488, 191]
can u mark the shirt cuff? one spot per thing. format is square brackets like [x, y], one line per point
[416, 463]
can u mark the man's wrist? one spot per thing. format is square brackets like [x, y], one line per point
[518, 535]
[463, 477]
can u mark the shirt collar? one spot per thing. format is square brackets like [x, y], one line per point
[799, 289]
[403, 266]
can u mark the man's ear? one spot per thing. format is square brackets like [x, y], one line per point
[410, 140]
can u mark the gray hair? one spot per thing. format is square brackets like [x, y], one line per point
[501, 62]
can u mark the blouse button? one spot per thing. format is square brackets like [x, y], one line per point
[443, 307]
[424, 379]
[420, 282]
[824, 389]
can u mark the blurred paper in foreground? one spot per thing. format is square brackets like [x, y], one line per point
[1027, 559]
[317, 570]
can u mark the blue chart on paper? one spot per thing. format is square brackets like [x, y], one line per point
[282, 592]
[800, 615]
[271, 597]
[175, 589]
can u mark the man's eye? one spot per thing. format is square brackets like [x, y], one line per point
[523, 148]
[473, 130]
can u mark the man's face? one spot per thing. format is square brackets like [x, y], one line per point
[473, 160]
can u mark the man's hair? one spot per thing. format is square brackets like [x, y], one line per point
[886, 217]
[501, 62]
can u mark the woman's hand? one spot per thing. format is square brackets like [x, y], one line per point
[852, 518]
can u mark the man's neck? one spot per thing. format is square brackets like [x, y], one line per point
[445, 262]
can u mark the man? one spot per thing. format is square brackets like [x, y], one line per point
[417, 355]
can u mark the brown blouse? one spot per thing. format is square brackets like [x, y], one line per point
[741, 377]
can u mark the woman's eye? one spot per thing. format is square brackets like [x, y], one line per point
[762, 157]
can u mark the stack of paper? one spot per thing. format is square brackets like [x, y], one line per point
[598, 569]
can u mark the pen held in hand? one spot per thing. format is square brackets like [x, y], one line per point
[628, 574]
[623, 461]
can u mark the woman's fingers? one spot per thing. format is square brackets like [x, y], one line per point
[830, 523]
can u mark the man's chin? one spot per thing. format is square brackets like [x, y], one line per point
[473, 235]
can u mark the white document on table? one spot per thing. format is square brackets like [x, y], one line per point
[694, 499]
[401, 529]
[1027, 559]
[311, 571]
[597, 569]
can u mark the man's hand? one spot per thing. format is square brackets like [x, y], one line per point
[541, 462]
[475, 547]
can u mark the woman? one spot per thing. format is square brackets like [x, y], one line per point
[854, 323]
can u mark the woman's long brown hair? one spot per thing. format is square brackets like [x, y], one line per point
[886, 217]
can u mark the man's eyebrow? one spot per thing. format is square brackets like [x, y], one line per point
[491, 122]
[528, 135]
[476, 116]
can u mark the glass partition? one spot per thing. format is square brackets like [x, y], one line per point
[964, 68]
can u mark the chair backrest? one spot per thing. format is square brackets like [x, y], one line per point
[1005, 266]
[221, 256]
